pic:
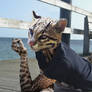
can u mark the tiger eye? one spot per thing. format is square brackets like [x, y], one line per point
[42, 37]
[31, 31]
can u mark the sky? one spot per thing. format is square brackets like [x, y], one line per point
[22, 10]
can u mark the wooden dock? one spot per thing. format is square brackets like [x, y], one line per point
[9, 75]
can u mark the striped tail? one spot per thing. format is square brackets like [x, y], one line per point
[25, 78]
[26, 83]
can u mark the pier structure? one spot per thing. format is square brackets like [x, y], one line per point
[65, 7]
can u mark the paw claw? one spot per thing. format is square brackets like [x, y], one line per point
[18, 46]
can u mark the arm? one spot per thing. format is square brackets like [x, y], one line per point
[58, 68]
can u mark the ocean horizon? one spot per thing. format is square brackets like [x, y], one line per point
[6, 52]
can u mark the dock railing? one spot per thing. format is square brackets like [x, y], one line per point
[24, 25]
[87, 21]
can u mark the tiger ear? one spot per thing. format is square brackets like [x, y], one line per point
[35, 16]
[60, 25]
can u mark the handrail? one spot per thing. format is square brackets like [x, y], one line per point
[12, 23]
[67, 6]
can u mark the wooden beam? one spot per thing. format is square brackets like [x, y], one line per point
[86, 37]
[78, 31]
[90, 36]
[64, 5]
[17, 24]
[90, 19]
[24, 25]
[68, 30]
[90, 26]
[90, 23]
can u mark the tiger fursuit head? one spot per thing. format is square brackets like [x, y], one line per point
[44, 35]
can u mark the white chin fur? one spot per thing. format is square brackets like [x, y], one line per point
[47, 90]
[35, 48]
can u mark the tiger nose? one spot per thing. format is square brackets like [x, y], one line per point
[31, 43]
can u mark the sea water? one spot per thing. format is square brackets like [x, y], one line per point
[6, 52]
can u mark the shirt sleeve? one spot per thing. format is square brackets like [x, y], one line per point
[58, 68]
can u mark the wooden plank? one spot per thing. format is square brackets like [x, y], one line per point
[10, 85]
[9, 74]
[64, 5]
[90, 22]
[67, 30]
[78, 31]
[90, 36]
[74, 31]
[90, 26]
[89, 19]
[17, 24]
[7, 90]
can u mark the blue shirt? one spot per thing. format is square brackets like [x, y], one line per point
[67, 66]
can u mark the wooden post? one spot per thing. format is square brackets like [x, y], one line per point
[66, 38]
[86, 37]
[66, 14]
